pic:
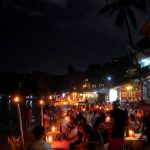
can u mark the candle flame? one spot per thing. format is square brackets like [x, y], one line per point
[49, 139]
[16, 99]
[107, 119]
[131, 133]
[41, 102]
[53, 129]
[66, 118]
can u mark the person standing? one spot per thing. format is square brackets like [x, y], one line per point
[118, 122]
[145, 106]
[28, 117]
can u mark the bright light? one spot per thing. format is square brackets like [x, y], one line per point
[49, 139]
[50, 97]
[107, 119]
[63, 95]
[113, 95]
[83, 109]
[109, 78]
[68, 98]
[107, 109]
[53, 129]
[84, 86]
[66, 118]
[41, 102]
[95, 92]
[131, 133]
[129, 88]
[145, 62]
[16, 99]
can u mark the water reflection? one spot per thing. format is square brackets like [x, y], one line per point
[9, 105]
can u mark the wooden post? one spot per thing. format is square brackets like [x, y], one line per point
[20, 124]
[41, 102]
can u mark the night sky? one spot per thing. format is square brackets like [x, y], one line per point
[50, 35]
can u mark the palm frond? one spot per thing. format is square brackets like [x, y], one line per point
[112, 11]
[132, 18]
[140, 5]
[14, 142]
[107, 8]
[120, 18]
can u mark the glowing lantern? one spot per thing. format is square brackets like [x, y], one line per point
[49, 139]
[41, 102]
[53, 129]
[107, 119]
[83, 109]
[16, 99]
[131, 133]
[107, 109]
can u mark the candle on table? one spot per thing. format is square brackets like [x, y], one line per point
[49, 139]
[66, 118]
[107, 119]
[131, 133]
[53, 129]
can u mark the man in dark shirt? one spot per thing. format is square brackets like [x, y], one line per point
[145, 106]
[119, 120]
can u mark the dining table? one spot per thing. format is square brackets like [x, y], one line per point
[134, 142]
[60, 145]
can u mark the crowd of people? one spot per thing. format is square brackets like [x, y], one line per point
[104, 127]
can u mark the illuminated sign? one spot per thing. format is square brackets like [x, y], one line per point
[145, 62]
[113, 95]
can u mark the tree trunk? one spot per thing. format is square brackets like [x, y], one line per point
[129, 32]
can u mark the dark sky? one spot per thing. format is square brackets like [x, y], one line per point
[55, 33]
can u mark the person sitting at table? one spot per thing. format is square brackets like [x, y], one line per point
[69, 130]
[70, 123]
[87, 130]
[95, 138]
[133, 123]
[103, 127]
[145, 106]
[39, 144]
[78, 140]
[69, 113]
[73, 133]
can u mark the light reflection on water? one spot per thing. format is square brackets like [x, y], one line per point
[8, 104]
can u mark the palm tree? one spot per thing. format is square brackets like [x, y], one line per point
[125, 13]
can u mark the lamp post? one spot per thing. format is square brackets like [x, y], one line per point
[109, 82]
[41, 103]
[20, 120]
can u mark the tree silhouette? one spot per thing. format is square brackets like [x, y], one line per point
[125, 13]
